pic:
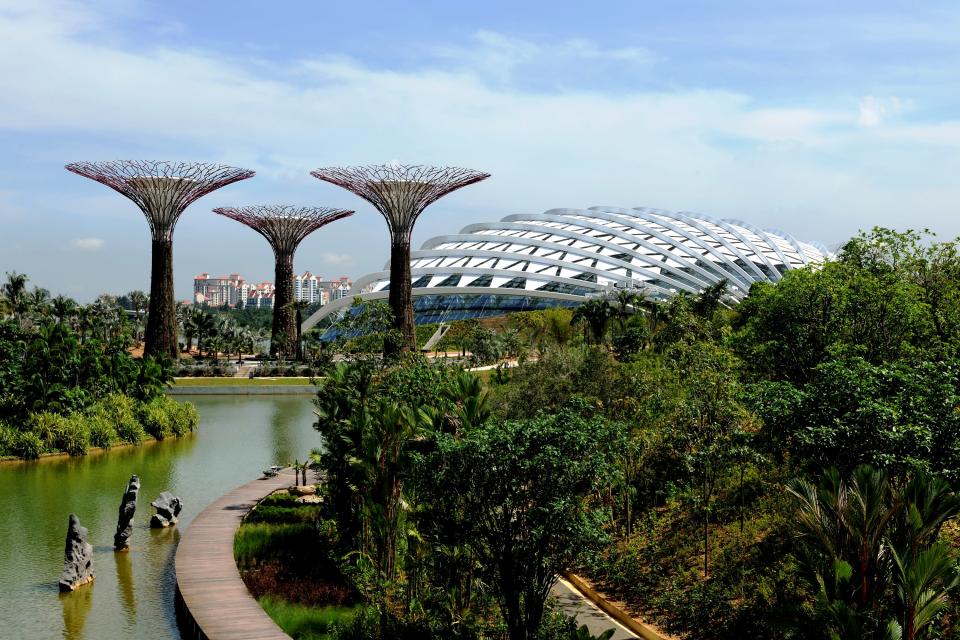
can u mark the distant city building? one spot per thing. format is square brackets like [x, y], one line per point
[219, 291]
[306, 288]
[337, 289]
[234, 291]
[260, 296]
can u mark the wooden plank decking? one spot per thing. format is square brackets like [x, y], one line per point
[212, 601]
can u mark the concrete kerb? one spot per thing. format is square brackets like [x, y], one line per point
[644, 631]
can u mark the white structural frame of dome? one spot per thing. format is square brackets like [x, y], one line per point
[562, 256]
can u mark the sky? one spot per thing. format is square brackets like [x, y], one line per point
[817, 118]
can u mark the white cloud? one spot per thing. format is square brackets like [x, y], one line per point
[874, 110]
[87, 244]
[336, 259]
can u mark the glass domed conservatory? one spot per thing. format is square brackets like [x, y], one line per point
[533, 261]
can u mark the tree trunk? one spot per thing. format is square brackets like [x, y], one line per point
[401, 300]
[161, 334]
[283, 320]
[299, 323]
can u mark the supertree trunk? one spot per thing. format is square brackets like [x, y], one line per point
[400, 298]
[161, 332]
[284, 318]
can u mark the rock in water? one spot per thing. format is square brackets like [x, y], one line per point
[168, 508]
[128, 506]
[77, 557]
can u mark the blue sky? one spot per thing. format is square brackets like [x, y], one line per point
[818, 118]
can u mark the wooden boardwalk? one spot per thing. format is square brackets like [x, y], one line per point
[212, 601]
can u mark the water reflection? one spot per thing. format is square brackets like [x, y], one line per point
[76, 608]
[285, 448]
[125, 581]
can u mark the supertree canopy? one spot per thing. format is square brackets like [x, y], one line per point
[162, 190]
[284, 227]
[400, 193]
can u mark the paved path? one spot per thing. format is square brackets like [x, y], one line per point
[212, 600]
[574, 604]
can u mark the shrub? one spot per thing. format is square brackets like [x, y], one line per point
[102, 433]
[119, 411]
[27, 445]
[8, 436]
[155, 417]
[72, 435]
[44, 425]
[183, 417]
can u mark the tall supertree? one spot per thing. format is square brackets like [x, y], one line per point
[162, 190]
[284, 227]
[400, 193]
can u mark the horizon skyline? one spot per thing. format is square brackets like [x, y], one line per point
[814, 119]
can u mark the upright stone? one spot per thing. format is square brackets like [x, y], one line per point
[77, 557]
[128, 506]
[168, 507]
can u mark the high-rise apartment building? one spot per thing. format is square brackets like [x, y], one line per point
[217, 291]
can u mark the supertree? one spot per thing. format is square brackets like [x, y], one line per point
[162, 190]
[400, 193]
[284, 227]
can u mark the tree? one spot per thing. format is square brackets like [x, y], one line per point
[63, 308]
[298, 306]
[205, 326]
[626, 299]
[595, 314]
[15, 293]
[866, 538]
[523, 490]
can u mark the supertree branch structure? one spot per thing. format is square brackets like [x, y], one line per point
[284, 227]
[162, 190]
[400, 193]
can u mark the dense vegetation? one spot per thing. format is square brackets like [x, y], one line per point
[784, 468]
[68, 382]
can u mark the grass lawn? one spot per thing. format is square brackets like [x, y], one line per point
[240, 382]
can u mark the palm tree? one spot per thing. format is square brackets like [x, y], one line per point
[299, 306]
[139, 300]
[39, 302]
[205, 326]
[63, 308]
[594, 313]
[865, 533]
[15, 293]
[381, 460]
[625, 298]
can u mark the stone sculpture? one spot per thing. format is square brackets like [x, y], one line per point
[168, 508]
[77, 557]
[128, 506]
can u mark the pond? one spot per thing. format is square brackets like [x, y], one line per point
[132, 595]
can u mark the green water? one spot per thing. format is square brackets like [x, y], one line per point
[132, 595]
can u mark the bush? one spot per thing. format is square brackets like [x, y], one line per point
[119, 411]
[27, 445]
[72, 435]
[183, 417]
[155, 417]
[101, 431]
[8, 436]
[44, 425]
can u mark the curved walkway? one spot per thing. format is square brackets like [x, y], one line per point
[212, 601]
